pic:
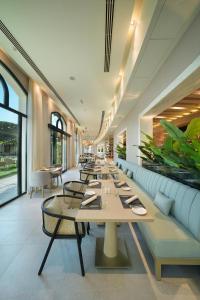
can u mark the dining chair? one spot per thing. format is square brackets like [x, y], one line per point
[56, 172]
[58, 215]
[76, 188]
[39, 180]
[86, 175]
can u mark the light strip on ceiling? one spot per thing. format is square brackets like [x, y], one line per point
[101, 124]
[25, 55]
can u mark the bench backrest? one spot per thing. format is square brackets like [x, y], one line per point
[186, 207]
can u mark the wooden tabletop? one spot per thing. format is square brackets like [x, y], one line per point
[112, 209]
[104, 170]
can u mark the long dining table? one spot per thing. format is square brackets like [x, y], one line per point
[111, 252]
[103, 170]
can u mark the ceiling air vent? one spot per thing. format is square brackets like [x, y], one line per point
[108, 33]
[25, 55]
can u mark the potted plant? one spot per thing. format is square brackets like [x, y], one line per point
[179, 156]
[121, 151]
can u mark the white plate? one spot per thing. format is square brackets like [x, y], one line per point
[126, 188]
[139, 211]
[90, 193]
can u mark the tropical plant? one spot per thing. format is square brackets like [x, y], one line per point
[180, 149]
[121, 151]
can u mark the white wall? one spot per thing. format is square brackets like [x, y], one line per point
[187, 50]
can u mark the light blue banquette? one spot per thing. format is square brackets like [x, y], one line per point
[174, 238]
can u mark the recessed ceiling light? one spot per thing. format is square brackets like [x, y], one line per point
[194, 110]
[197, 92]
[177, 107]
[72, 78]
[160, 117]
[186, 114]
[120, 74]
[133, 23]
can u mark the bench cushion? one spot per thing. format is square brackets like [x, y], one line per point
[166, 238]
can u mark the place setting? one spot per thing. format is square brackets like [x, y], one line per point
[123, 185]
[133, 202]
[94, 183]
[91, 200]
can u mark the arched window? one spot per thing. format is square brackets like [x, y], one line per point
[13, 102]
[58, 121]
[59, 134]
[4, 95]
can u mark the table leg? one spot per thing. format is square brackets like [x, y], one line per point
[111, 252]
[110, 240]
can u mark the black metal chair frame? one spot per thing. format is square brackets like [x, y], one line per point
[54, 235]
[88, 173]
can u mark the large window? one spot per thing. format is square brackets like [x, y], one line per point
[76, 145]
[13, 100]
[58, 140]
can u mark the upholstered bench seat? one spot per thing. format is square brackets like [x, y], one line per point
[165, 237]
[173, 238]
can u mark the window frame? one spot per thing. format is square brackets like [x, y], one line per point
[5, 105]
[57, 129]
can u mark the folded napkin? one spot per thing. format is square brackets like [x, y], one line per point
[93, 180]
[121, 183]
[90, 193]
[85, 202]
[94, 183]
[131, 199]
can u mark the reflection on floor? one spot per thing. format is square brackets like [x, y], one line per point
[8, 188]
[22, 246]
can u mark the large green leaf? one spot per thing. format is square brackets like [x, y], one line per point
[168, 144]
[147, 136]
[172, 130]
[196, 145]
[193, 129]
[170, 162]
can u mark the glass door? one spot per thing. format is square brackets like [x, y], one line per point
[13, 121]
[58, 149]
[9, 155]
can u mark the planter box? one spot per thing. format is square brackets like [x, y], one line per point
[121, 157]
[184, 176]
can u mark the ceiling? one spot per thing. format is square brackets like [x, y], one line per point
[168, 23]
[179, 114]
[64, 39]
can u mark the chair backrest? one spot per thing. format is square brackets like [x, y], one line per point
[63, 208]
[40, 178]
[86, 176]
[74, 188]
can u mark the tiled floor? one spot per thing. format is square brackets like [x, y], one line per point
[22, 246]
